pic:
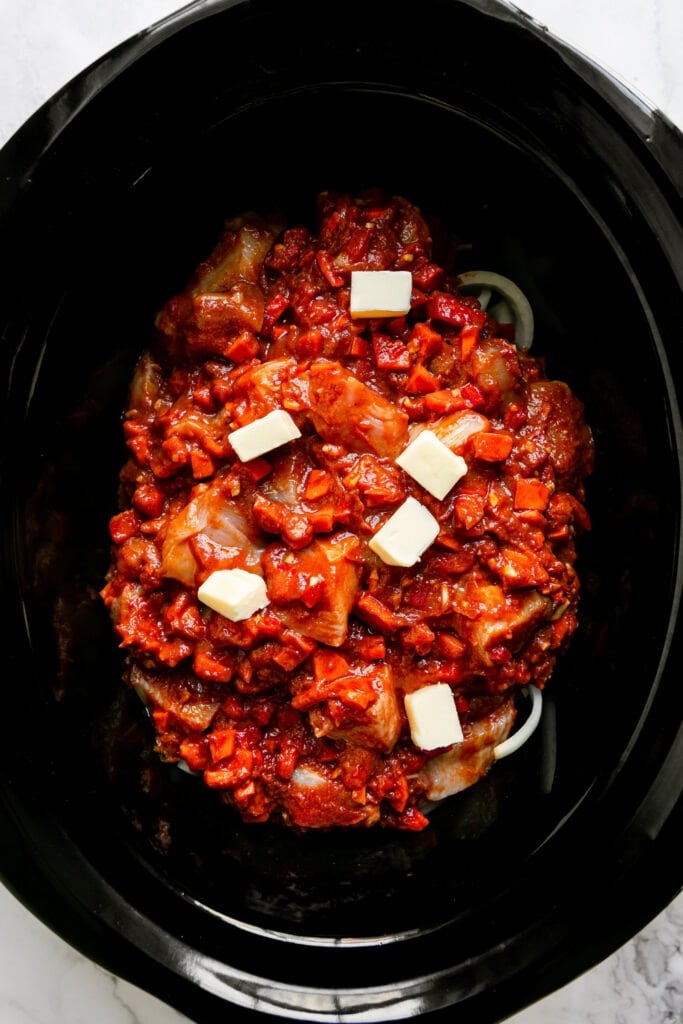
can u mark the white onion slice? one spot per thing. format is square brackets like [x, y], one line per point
[519, 738]
[485, 282]
[484, 296]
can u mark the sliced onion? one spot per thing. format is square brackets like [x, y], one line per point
[519, 738]
[484, 296]
[485, 282]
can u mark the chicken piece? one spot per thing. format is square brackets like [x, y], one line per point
[497, 372]
[379, 725]
[240, 308]
[488, 616]
[224, 294]
[258, 389]
[189, 700]
[312, 800]
[556, 421]
[347, 412]
[238, 257]
[222, 523]
[465, 763]
[313, 590]
[145, 387]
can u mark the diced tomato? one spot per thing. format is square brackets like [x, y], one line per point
[221, 744]
[237, 770]
[492, 446]
[471, 395]
[359, 347]
[444, 401]
[289, 754]
[138, 441]
[329, 665]
[182, 617]
[176, 450]
[426, 341]
[318, 483]
[310, 343]
[449, 645]
[469, 509]
[421, 381]
[418, 637]
[257, 469]
[202, 397]
[378, 615]
[149, 499]
[217, 666]
[195, 753]
[469, 339]
[428, 276]
[514, 417]
[372, 648]
[531, 494]
[123, 526]
[202, 464]
[245, 346]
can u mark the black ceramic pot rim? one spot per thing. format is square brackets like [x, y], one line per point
[100, 922]
[27, 146]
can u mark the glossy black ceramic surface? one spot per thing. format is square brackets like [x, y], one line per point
[557, 177]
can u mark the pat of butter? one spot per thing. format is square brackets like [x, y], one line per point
[234, 593]
[433, 717]
[432, 464]
[263, 435]
[380, 292]
[406, 535]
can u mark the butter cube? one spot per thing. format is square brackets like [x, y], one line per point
[433, 717]
[380, 293]
[263, 435]
[234, 593]
[406, 535]
[429, 461]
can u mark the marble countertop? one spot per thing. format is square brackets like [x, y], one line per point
[42, 46]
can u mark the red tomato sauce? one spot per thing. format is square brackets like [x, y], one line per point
[295, 714]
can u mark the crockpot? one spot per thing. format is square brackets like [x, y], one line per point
[554, 175]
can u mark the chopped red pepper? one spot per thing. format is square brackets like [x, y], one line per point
[123, 526]
[469, 339]
[334, 278]
[454, 310]
[390, 353]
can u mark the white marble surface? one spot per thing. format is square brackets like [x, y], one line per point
[42, 45]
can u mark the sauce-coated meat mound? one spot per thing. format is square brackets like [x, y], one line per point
[296, 711]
